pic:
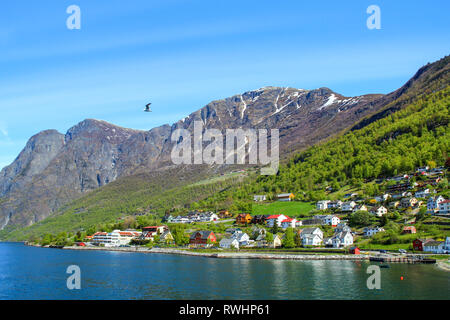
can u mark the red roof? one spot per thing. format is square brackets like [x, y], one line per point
[445, 201]
[275, 216]
[287, 220]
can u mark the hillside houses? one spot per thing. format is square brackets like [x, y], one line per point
[424, 193]
[322, 205]
[408, 202]
[335, 204]
[288, 222]
[311, 236]
[259, 198]
[202, 239]
[229, 243]
[241, 237]
[244, 218]
[277, 218]
[285, 197]
[115, 238]
[342, 239]
[193, 217]
[371, 231]
[444, 207]
[348, 206]
[378, 211]
[433, 204]
[331, 220]
[262, 242]
[148, 233]
[362, 207]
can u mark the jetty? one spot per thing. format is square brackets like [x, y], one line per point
[403, 259]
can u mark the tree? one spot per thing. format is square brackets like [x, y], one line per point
[269, 237]
[360, 219]
[288, 241]
[275, 228]
[298, 239]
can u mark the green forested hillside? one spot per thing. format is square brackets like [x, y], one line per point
[398, 143]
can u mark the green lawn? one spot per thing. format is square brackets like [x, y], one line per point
[292, 208]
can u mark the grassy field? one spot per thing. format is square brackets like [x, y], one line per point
[293, 208]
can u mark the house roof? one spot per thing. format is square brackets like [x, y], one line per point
[309, 230]
[204, 234]
[284, 194]
[445, 201]
[276, 216]
[433, 243]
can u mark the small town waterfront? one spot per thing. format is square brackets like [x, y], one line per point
[39, 273]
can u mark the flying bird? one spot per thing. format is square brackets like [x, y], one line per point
[147, 108]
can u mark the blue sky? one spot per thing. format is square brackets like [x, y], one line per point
[181, 54]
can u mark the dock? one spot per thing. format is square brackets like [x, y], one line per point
[403, 259]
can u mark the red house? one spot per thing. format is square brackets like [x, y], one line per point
[409, 229]
[200, 238]
[419, 243]
[354, 250]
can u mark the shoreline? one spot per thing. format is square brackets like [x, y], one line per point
[224, 255]
[239, 255]
[442, 265]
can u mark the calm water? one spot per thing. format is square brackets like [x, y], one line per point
[38, 273]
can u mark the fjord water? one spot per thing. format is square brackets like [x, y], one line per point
[40, 273]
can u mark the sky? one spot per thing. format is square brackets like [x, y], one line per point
[182, 54]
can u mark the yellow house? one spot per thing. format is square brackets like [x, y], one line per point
[286, 197]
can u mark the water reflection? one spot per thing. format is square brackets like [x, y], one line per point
[35, 273]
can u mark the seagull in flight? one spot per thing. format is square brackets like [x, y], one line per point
[147, 108]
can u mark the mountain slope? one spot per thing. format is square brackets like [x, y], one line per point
[94, 153]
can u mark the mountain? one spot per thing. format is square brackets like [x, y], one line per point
[54, 169]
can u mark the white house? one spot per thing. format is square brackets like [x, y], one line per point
[422, 193]
[335, 204]
[369, 232]
[379, 211]
[434, 247]
[342, 227]
[348, 205]
[259, 198]
[115, 238]
[277, 218]
[289, 222]
[311, 236]
[401, 195]
[447, 245]
[228, 243]
[328, 219]
[433, 204]
[322, 204]
[444, 207]
[298, 223]
[342, 239]
[383, 197]
[241, 237]
[362, 207]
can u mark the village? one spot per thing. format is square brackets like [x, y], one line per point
[411, 216]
